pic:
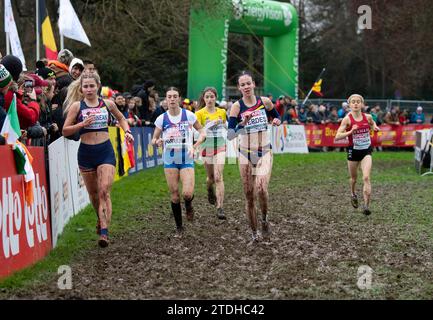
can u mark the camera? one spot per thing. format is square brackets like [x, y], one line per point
[28, 86]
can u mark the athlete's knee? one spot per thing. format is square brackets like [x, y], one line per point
[353, 179]
[103, 193]
[366, 179]
[210, 180]
[249, 199]
[262, 192]
[187, 196]
[175, 198]
[218, 178]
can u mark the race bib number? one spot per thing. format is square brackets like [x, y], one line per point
[258, 121]
[176, 138]
[215, 129]
[101, 118]
[361, 139]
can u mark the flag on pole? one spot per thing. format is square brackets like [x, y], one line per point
[11, 30]
[11, 127]
[69, 23]
[317, 88]
[47, 32]
[23, 159]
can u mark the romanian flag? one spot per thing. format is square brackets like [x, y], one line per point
[47, 32]
[317, 88]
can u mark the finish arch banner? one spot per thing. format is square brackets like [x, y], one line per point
[211, 22]
[25, 236]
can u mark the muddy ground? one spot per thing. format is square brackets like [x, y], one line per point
[318, 243]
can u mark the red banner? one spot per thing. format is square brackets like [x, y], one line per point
[323, 135]
[25, 231]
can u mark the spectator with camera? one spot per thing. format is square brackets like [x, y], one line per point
[28, 113]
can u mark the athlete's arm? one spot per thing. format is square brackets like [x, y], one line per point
[120, 118]
[234, 128]
[202, 137]
[341, 132]
[272, 111]
[156, 137]
[372, 123]
[70, 126]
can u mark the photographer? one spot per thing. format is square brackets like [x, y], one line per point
[35, 133]
[28, 114]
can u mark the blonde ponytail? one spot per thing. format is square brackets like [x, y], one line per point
[74, 95]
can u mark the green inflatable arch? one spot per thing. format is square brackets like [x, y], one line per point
[210, 24]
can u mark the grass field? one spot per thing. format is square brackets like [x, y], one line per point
[319, 241]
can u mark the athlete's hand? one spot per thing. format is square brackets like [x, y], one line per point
[88, 121]
[276, 122]
[191, 152]
[247, 117]
[376, 128]
[157, 142]
[354, 127]
[129, 137]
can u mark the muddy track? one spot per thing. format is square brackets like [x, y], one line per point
[317, 246]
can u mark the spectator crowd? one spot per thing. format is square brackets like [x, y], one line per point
[41, 95]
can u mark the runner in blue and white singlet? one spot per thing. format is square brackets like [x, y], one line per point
[174, 132]
[177, 136]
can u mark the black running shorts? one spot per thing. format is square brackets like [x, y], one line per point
[358, 155]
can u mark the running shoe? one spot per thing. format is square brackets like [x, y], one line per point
[103, 241]
[220, 214]
[255, 237]
[354, 201]
[179, 232]
[211, 197]
[266, 230]
[366, 211]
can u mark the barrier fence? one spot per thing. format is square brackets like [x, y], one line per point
[25, 231]
[388, 136]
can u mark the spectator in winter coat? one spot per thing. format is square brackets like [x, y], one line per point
[28, 114]
[418, 117]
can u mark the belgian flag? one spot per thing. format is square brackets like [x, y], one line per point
[47, 32]
[317, 88]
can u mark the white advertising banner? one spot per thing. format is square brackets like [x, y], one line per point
[80, 196]
[289, 139]
[60, 185]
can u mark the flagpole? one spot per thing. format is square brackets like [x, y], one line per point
[8, 44]
[38, 32]
[318, 78]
